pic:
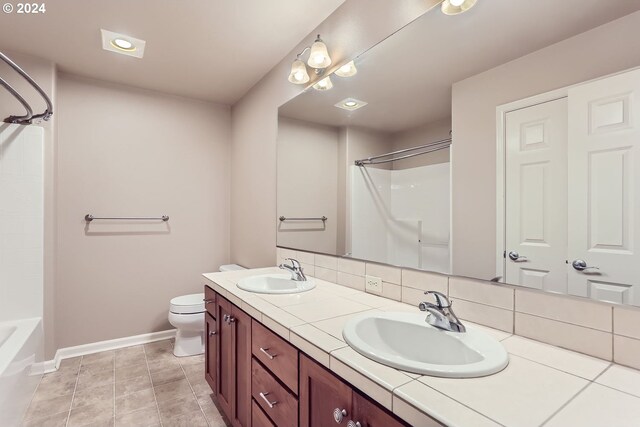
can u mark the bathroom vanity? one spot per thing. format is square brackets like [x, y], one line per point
[261, 380]
[282, 360]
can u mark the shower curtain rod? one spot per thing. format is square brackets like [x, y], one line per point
[426, 148]
[28, 118]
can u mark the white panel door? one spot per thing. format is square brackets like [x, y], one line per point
[536, 188]
[604, 188]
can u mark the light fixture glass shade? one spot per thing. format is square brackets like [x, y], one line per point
[347, 70]
[455, 7]
[319, 56]
[298, 73]
[324, 84]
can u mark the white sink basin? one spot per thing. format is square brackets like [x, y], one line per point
[275, 284]
[406, 341]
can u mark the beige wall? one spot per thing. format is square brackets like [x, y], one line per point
[424, 134]
[129, 152]
[307, 184]
[44, 74]
[351, 29]
[598, 52]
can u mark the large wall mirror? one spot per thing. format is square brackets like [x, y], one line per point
[374, 168]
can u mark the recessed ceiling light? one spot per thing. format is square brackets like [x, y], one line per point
[455, 7]
[350, 104]
[123, 44]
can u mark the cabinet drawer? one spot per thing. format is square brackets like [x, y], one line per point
[210, 301]
[280, 357]
[275, 400]
[258, 417]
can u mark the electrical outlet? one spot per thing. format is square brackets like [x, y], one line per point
[373, 284]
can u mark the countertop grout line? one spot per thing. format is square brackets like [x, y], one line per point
[595, 381]
[560, 370]
[566, 403]
[450, 398]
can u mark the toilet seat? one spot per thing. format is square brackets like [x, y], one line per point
[187, 304]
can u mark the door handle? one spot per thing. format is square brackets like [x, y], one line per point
[581, 265]
[515, 256]
[212, 333]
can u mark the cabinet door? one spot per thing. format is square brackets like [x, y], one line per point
[321, 393]
[369, 414]
[241, 324]
[226, 378]
[210, 351]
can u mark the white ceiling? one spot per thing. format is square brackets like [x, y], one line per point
[214, 50]
[407, 78]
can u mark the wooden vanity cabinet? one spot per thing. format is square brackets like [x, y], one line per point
[261, 380]
[233, 385]
[322, 394]
[210, 350]
[370, 414]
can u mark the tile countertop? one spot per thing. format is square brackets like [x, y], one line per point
[543, 384]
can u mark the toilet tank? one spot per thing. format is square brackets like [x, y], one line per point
[231, 267]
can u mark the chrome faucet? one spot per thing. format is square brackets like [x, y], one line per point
[441, 314]
[295, 269]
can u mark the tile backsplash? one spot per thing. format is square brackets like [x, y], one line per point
[602, 330]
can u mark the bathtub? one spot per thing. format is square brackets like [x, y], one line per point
[21, 367]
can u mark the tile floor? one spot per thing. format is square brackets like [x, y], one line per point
[140, 386]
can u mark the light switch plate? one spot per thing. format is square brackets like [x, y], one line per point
[373, 284]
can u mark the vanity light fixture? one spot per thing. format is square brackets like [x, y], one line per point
[455, 7]
[347, 70]
[120, 43]
[350, 104]
[324, 84]
[318, 61]
[298, 73]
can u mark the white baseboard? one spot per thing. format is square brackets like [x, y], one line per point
[96, 347]
[48, 366]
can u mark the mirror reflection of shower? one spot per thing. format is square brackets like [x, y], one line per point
[401, 216]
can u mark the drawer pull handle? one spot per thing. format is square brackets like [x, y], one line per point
[266, 351]
[339, 414]
[353, 424]
[268, 402]
[209, 301]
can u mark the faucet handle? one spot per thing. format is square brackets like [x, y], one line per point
[294, 262]
[441, 299]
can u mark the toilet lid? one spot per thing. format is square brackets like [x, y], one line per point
[187, 304]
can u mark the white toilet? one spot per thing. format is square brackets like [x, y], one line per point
[186, 314]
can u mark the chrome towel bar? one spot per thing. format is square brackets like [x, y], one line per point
[322, 218]
[89, 218]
